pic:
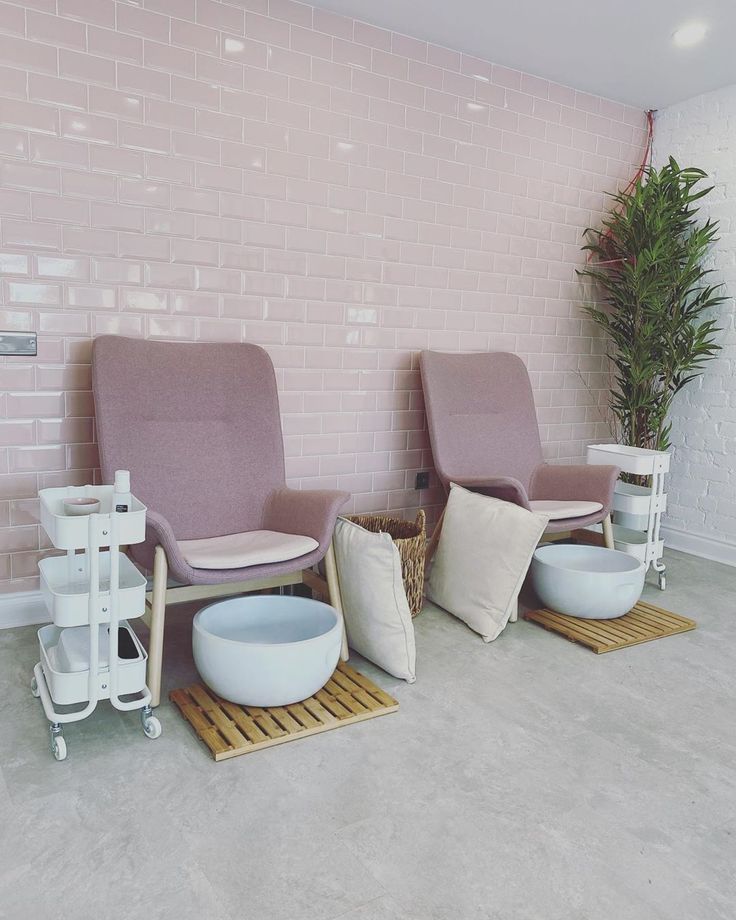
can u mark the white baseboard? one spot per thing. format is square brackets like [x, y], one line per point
[26, 608]
[699, 545]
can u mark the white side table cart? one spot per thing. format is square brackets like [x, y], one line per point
[89, 653]
[637, 509]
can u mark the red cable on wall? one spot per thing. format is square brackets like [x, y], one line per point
[646, 161]
[647, 153]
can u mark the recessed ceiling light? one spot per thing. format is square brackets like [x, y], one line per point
[690, 34]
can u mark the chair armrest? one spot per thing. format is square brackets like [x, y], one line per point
[577, 482]
[310, 512]
[506, 488]
[159, 532]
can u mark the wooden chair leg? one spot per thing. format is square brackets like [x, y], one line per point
[158, 613]
[608, 532]
[333, 583]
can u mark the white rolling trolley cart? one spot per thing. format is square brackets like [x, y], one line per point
[637, 510]
[89, 653]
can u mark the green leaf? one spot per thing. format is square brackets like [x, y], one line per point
[655, 304]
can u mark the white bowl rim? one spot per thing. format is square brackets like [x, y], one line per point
[81, 501]
[553, 549]
[237, 642]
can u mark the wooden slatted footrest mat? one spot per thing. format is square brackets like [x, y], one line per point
[642, 623]
[229, 730]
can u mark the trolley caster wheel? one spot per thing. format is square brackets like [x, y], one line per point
[151, 727]
[34, 688]
[662, 581]
[58, 748]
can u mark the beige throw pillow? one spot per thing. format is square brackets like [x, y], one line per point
[484, 552]
[377, 616]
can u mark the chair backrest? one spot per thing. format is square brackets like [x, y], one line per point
[481, 416]
[197, 425]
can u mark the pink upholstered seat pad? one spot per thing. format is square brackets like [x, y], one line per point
[556, 511]
[239, 550]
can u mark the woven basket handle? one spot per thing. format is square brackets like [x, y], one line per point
[421, 519]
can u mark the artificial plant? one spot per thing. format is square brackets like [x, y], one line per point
[647, 261]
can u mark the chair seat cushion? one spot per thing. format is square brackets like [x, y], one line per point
[240, 550]
[556, 511]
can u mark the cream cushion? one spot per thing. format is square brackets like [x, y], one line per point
[377, 616]
[556, 511]
[240, 550]
[483, 555]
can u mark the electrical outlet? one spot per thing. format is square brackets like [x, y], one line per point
[18, 343]
[422, 481]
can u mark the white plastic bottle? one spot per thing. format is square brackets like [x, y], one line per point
[121, 499]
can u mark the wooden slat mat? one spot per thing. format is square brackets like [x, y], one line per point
[229, 730]
[641, 624]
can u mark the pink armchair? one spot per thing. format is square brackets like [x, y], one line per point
[484, 435]
[199, 428]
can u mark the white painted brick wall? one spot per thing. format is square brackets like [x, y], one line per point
[702, 502]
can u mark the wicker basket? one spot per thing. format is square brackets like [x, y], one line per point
[410, 539]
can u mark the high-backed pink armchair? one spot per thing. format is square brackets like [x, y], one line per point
[485, 436]
[199, 428]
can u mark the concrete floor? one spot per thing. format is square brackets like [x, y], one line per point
[524, 780]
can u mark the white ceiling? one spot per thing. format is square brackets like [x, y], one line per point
[621, 49]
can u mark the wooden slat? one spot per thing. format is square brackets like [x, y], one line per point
[360, 679]
[180, 697]
[229, 730]
[355, 707]
[655, 618]
[583, 627]
[649, 626]
[320, 713]
[383, 698]
[583, 632]
[215, 743]
[344, 681]
[306, 718]
[619, 631]
[645, 605]
[333, 688]
[286, 721]
[573, 635]
[195, 715]
[367, 700]
[202, 698]
[642, 624]
[246, 725]
[264, 721]
[327, 696]
[650, 616]
[634, 627]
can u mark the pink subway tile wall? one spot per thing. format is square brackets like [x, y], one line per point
[264, 171]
